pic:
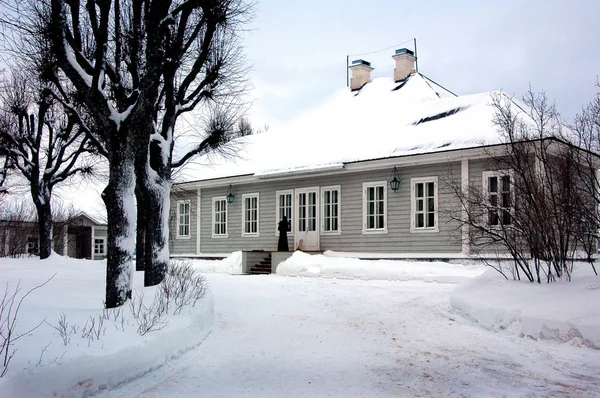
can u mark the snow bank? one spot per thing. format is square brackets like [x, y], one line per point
[232, 264]
[565, 311]
[44, 366]
[303, 264]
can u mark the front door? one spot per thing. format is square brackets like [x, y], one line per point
[306, 233]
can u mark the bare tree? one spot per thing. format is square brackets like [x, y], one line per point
[131, 69]
[42, 143]
[587, 136]
[530, 204]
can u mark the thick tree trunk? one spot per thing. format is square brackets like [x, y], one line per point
[118, 196]
[156, 207]
[44, 213]
[150, 191]
[141, 259]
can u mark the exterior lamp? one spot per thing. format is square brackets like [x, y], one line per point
[395, 181]
[230, 195]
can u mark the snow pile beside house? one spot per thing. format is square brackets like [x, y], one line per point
[565, 311]
[231, 264]
[303, 264]
[112, 353]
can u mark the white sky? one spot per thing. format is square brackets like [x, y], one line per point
[298, 49]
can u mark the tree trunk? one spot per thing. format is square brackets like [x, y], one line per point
[141, 259]
[41, 199]
[44, 213]
[150, 190]
[118, 196]
[156, 207]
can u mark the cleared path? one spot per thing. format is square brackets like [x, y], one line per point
[309, 337]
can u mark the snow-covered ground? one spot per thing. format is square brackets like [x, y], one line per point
[399, 329]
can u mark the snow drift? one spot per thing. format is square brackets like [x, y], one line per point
[564, 311]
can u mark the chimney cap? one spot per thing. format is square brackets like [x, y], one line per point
[361, 62]
[404, 51]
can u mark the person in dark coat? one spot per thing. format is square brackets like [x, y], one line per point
[282, 227]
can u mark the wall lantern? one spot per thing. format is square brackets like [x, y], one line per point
[395, 181]
[230, 195]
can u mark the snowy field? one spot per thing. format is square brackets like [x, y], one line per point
[370, 328]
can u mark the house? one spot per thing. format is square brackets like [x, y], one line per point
[363, 174]
[82, 236]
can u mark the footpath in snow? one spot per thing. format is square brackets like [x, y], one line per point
[564, 313]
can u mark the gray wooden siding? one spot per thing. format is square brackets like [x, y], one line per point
[399, 239]
[183, 245]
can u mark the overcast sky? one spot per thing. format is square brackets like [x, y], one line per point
[298, 48]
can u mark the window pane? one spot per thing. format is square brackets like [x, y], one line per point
[419, 220]
[420, 205]
[379, 193]
[370, 194]
[430, 220]
[505, 183]
[430, 189]
[506, 199]
[431, 204]
[493, 184]
[506, 219]
[380, 207]
[419, 190]
[380, 221]
[493, 217]
[371, 208]
[371, 222]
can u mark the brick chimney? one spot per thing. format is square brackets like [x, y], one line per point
[405, 63]
[361, 74]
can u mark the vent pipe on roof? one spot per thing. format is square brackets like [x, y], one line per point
[361, 74]
[405, 63]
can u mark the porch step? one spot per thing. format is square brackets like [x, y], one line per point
[262, 268]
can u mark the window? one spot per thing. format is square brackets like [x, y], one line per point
[183, 219]
[497, 188]
[330, 205]
[250, 214]
[424, 204]
[375, 207]
[219, 216]
[32, 246]
[284, 208]
[99, 246]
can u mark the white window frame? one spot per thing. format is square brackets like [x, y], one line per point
[189, 234]
[219, 199]
[374, 184]
[103, 252]
[338, 231]
[484, 181]
[250, 196]
[413, 205]
[277, 218]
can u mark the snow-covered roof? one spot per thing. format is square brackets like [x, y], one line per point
[382, 119]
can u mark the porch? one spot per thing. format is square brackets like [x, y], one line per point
[263, 262]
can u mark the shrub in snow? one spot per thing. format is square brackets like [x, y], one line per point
[9, 313]
[182, 285]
